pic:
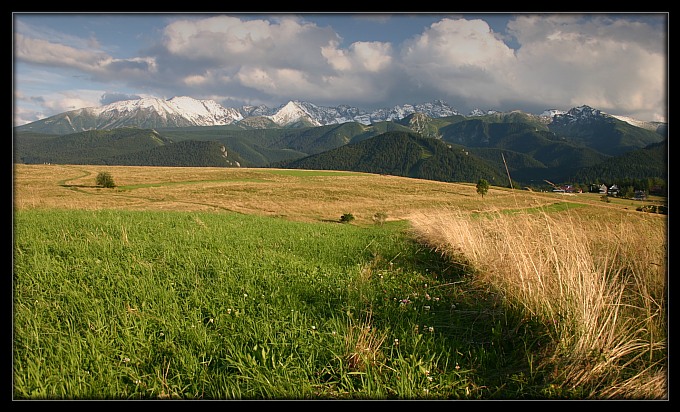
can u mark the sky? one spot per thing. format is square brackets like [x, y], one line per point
[616, 62]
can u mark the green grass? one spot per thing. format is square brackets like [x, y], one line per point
[188, 305]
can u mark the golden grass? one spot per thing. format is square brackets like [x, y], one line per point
[363, 345]
[598, 284]
[300, 196]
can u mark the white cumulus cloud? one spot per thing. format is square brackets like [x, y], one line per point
[613, 65]
[463, 58]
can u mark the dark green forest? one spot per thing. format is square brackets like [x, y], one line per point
[402, 154]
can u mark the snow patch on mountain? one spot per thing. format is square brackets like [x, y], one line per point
[552, 113]
[653, 126]
[437, 108]
[584, 111]
[581, 114]
[480, 112]
[634, 122]
[253, 111]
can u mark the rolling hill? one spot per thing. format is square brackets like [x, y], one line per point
[406, 154]
[260, 147]
[650, 162]
[124, 146]
[85, 147]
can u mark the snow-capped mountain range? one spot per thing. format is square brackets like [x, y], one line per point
[195, 112]
[183, 111]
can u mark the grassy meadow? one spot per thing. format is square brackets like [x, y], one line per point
[213, 283]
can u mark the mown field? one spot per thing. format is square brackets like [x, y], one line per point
[212, 283]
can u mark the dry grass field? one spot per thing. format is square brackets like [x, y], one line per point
[291, 194]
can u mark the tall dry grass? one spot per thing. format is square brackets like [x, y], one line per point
[599, 287]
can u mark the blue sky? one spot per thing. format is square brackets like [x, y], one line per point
[613, 62]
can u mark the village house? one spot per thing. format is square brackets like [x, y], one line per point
[640, 195]
[603, 189]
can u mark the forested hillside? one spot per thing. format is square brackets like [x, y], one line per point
[187, 153]
[648, 163]
[89, 147]
[404, 154]
[260, 147]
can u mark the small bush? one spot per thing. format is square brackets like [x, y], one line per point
[104, 179]
[346, 218]
[380, 217]
[653, 209]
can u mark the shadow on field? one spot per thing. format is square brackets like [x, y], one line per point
[331, 221]
[502, 345]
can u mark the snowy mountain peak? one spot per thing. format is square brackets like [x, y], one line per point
[480, 112]
[292, 112]
[126, 106]
[581, 114]
[552, 113]
[584, 111]
[194, 112]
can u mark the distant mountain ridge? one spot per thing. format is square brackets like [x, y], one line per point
[581, 142]
[183, 111]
